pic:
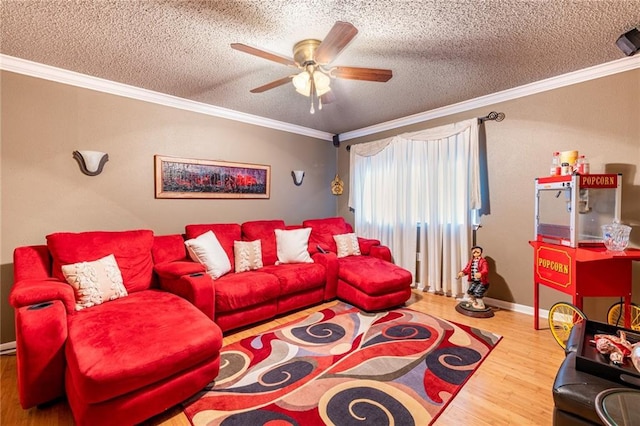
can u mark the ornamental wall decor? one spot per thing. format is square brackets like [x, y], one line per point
[192, 178]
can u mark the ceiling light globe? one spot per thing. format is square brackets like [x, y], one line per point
[302, 83]
[322, 82]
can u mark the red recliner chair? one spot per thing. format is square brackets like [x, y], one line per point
[121, 361]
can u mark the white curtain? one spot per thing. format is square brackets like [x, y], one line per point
[418, 190]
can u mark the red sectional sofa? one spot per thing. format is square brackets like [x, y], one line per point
[128, 359]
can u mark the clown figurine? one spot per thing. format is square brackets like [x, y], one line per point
[477, 272]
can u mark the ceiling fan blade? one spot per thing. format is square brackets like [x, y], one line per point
[264, 54]
[340, 35]
[367, 74]
[272, 85]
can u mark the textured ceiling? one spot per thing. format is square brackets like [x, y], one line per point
[441, 51]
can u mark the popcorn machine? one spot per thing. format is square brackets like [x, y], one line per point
[569, 253]
[570, 210]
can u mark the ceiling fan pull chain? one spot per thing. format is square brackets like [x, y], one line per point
[312, 91]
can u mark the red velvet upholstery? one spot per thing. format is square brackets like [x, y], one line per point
[264, 230]
[226, 233]
[301, 284]
[168, 248]
[238, 291]
[373, 276]
[109, 360]
[369, 281]
[143, 403]
[323, 230]
[31, 262]
[122, 361]
[41, 361]
[132, 250]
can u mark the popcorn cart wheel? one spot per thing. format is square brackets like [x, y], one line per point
[615, 315]
[562, 317]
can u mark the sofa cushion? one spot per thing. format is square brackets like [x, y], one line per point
[226, 233]
[373, 276]
[95, 282]
[296, 277]
[132, 250]
[238, 291]
[135, 341]
[347, 245]
[248, 255]
[323, 230]
[206, 249]
[293, 245]
[264, 230]
[168, 248]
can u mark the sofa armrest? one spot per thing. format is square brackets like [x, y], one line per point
[36, 291]
[41, 333]
[174, 270]
[381, 252]
[366, 244]
[330, 262]
[189, 281]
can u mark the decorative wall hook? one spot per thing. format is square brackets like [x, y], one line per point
[298, 176]
[91, 162]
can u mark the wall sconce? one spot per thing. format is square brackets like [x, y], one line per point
[91, 162]
[298, 176]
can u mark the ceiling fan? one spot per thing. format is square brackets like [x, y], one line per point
[312, 57]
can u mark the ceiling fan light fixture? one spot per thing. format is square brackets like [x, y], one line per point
[321, 81]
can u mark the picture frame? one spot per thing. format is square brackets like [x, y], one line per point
[193, 178]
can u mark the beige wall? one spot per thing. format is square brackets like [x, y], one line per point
[43, 190]
[599, 118]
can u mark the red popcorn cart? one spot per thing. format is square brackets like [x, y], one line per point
[569, 253]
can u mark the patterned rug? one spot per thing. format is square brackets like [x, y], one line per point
[341, 366]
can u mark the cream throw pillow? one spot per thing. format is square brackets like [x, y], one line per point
[95, 282]
[293, 246]
[347, 245]
[248, 255]
[207, 250]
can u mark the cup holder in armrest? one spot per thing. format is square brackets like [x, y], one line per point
[39, 306]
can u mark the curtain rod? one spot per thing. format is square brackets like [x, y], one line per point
[496, 116]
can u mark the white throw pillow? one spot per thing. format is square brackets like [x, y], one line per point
[95, 282]
[293, 246]
[347, 245]
[248, 255]
[207, 250]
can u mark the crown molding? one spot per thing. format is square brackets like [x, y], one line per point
[46, 72]
[598, 71]
[34, 69]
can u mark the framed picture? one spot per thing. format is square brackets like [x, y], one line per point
[190, 178]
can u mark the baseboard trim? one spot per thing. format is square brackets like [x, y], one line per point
[515, 307]
[7, 348]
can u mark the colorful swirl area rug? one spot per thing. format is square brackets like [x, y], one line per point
[342, 366]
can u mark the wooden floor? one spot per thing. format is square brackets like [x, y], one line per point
[511, 387]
